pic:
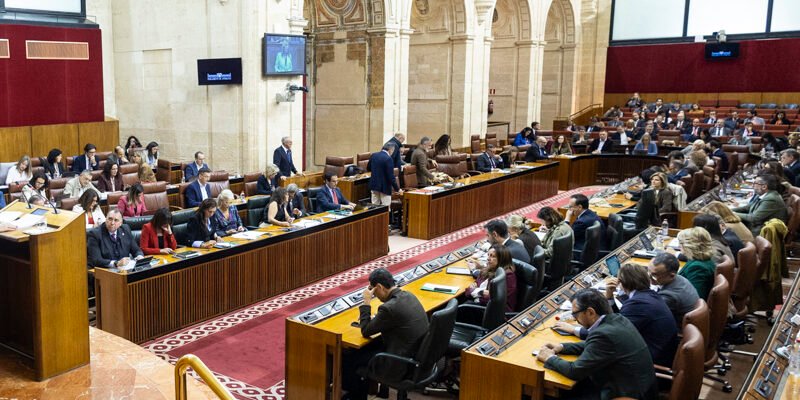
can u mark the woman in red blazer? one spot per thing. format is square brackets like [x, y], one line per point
[132, 204]
[157, 237]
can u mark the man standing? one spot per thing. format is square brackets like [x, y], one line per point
[488, 161]
[198, 190]
[766, 205]
[614, 356]
[537, 151]
[282, 157]
[191, 170]
[677, 291]
[419, 159]
[401, 321]
[397, 157]
[584, 218]
[111, 244]
[497, 233]
[382, 180]
[330, 197]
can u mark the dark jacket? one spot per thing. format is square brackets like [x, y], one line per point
[104, 183]
[297, 202]
[265, 187]
[325, 201]
[193, 195]
[653, 319]
[400, 320]
[530, 241]
[723, 159]
[79, 164]
[484, 164]
[102, 250]
[197, 231]
[191, 170]
[381, 168]
[608, 147]
[579, 226]
[535, 153]
[50, 169]
[518, 251]
[281, 159]
[397, 157]
[615, 357]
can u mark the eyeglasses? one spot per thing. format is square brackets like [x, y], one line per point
[575, 313]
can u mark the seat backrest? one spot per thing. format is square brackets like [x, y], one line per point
[56, 187]
[68, 203]
[745, 276]
[136, 223]
[218, 182]
[255, 209]
[182, 194]
[726, 268]
[434, 343]
[495, 313]
[113, 198]
[591, 249]
[130, 173]
[733, 163]
[155, 196]
[793, 203]
[453, 165]
[688, 365]
[560, 260]
[362, 159]
[698, 184]
[615, 231]
[182, 216]
[475, 145]
[337, 165]
[538, 260]
[718, 306]
[409, 176]
[312, 198]
[251, 183]
[527, 282]
[700, 317]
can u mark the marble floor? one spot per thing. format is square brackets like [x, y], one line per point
[119, 369]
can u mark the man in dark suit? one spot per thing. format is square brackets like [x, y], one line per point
[191, 170]
[401, 322]
[680, 123]
[790, 159]
[488, 161]
[382, 180]
[397, 157]
[198, 190]
[712, 118]
[111, 244]
[716, 151]
[497, 233]
[719, 129]
[614, 357]
[602, 144]
[692, 133]
[282, 157]
[330, 197]
[733, 122]
[537, 151]
[87, 160]
[296, 204]
[660, 108]
[584, 218]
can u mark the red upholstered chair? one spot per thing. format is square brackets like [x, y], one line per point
[687, 367]
[164, 170]
[155, 196]
[130, 173]
[475, 144]
[113, 199]
[68, 203]
[337, 165]
[453, 165]
[57, 187]
[362, 159]
[219, 181]
[251, 183]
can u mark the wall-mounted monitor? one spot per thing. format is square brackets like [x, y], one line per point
[722, 51]
[284, 55]
[219, 71]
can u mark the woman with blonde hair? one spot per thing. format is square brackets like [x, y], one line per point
[700, 269]
[518, 230]
[664, 198]
[146, 174]
[269, 180]
[732, 221]
[20, 172]
[227, 216]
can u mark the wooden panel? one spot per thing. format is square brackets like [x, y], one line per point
[313, 362]
[104, 135]
[47, 50]
[477, 370]
[61, 136]
[356, 189]
[4, 50]
[15, 142]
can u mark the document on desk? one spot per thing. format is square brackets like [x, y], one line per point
[674, 243]
[28, 220]
[9, 216]
[458, 271]
[248, 235]
[432, 287]
[306, 223]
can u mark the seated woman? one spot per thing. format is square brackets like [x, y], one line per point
[733, 223]
[277, 212]
[561, 146]
[780, 119]
[525, 136]
[700, 269]
[442, 146]
[53, 166]
[132, 204]
[157, 237]
[498, 257]
[37, 186]
[146, 174]
[227, 216]
[554, 227]
[269, 180]
[110, 180]
[151, 155]
[509, 156]
[202, 227]
[646, 145]
[89, 203]
[117, 156]
[664, 197]
[581, 137]
[132, 143]
[20, 172]
[518, 230]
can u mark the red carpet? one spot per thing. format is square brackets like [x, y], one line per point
[245, 349]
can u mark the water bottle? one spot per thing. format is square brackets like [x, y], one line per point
[665, 228]
[241, 195]
[183, 177]
[627, 151]
[794, 369]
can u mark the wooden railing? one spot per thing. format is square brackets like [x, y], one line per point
[585, 114]
[190, 360]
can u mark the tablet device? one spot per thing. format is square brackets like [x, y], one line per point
[560, 332]
[612, 263]
[646, 242]
[39, 211]
[143, 261]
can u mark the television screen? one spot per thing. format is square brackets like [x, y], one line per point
[722, 51]
[219, 71]
[284, 55]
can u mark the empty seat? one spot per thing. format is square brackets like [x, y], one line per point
[337, 165]
[362, 159]
[453, 165]
[155, 196]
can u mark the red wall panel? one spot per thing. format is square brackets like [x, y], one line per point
[40, 92]
[762, 66]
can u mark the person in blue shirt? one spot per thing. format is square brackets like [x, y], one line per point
[646, 145]
[525, 136]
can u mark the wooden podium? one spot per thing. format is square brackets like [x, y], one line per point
[44, 292]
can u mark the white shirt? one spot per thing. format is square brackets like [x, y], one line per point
[15, 176]
[97, 216]
[203, 193]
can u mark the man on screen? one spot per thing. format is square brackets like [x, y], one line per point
[283, 60]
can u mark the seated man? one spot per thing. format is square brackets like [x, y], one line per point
[602, 144]
[677, 292]
[692, 133]
[584, 218]
[87, 160]
[111, 244]
[191, 170]
[198, 190]
[330, 197]
[537, 151]
[79, 184]
[767, 205]
[488, 161]
[296, 204]
[678, 169]
[497, 233]
[614, 356]
[401, 321]
[716, 151]
[790, 159]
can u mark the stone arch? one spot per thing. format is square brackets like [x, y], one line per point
[559, 63]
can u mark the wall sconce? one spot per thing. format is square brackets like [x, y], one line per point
[288, 95]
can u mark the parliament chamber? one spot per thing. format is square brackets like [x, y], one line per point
[427, 199]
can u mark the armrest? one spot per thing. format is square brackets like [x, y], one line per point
[511, 314]
[470, 313]
[663, 369]
[465, 326]
[174, 208]
[410, 361]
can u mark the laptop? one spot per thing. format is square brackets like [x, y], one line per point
[649, 250]
[612, 263]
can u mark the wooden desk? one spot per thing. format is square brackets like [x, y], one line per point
[600, 169]
[316, 338]
[427, 215]
[602, 211]
[43, 293]
[355, 188]
[309, 179]
[176, 293]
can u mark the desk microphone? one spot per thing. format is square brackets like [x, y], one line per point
[26, 199]
[53, 205]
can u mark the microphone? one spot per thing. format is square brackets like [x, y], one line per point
[25, 198]
[53, 205]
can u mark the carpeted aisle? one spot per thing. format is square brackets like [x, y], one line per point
[245, 349]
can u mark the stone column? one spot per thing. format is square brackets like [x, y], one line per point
[461, 89]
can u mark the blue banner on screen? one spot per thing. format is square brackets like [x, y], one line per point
[722, 51]
[284, 55]
[219, 71]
